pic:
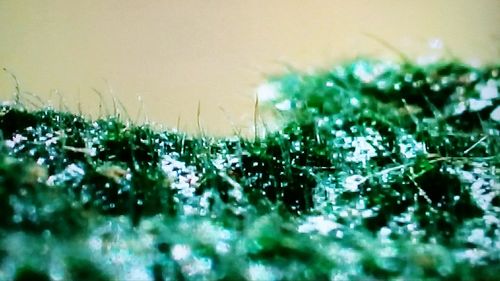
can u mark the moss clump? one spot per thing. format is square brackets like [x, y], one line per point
[30, 274]
[380, 171]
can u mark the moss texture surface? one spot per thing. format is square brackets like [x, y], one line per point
[378, 171]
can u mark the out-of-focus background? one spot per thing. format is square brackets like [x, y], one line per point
[176, 54]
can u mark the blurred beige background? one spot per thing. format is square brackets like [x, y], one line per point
[178, 53]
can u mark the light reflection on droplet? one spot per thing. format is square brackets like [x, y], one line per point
[385, 232]
[351, 183]
[222, 247]
[95, 243]
[138, 273]
[180, 252]
[261, 272]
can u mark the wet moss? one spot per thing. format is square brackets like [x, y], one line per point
[30, 274]
[84, 270]
[378, 171]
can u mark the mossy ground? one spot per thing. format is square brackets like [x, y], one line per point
[379, 171]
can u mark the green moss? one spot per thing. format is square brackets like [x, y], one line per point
[379, 171]
[83, 270]
[30, 274]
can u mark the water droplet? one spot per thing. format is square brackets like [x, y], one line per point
[180, 252]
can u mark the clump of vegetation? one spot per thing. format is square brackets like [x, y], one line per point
[380, 171]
